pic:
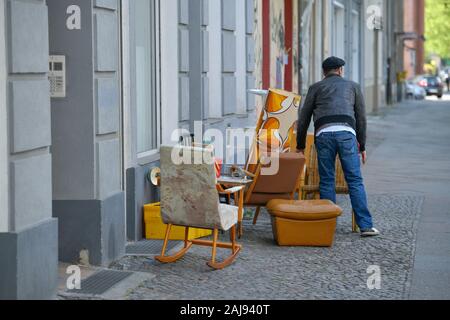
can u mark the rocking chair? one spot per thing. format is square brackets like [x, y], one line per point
[189, 198]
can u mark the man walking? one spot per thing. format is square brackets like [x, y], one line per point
[340, 124]
[447, 80]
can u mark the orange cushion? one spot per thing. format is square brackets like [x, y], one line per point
[304, 210]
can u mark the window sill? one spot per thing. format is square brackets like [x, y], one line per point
[148, 157]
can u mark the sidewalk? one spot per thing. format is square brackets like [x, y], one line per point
[414, 160]
[408, 184]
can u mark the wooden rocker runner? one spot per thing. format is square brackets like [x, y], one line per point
[235, 248]
[189, 198]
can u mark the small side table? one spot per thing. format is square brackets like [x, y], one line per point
[230, 182]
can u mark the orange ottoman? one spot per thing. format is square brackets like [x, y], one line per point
[304, 223]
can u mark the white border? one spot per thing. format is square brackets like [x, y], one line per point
[4, 181]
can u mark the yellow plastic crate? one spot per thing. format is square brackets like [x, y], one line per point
[156, 229]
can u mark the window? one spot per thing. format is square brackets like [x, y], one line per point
[339, 30]
[146, 42]
[356, 27]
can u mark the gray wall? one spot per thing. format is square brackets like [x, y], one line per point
[29, 266]
[29, 113]
[86, 150]
[85, 131]
[73, 117]
[139, 192]
[29, 262]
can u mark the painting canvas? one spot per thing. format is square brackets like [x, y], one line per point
[276, 126]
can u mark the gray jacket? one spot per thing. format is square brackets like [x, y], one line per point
[333, 100]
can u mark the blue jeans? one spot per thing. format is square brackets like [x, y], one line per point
[328, 145]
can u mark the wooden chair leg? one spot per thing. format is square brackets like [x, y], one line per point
[166, 240]
[354, 225]
[214, 245]
[235, 248]
[233, 238]
[240, 212]
[257, 212]
[169, 259]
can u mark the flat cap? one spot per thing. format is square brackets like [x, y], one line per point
[333, 63]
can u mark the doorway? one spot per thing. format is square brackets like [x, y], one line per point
[141, 107]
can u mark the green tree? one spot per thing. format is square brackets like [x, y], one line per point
[437, 25]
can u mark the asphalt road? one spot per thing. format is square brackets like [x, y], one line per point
[413, 157]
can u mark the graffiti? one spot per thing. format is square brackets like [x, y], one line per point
[375, 18]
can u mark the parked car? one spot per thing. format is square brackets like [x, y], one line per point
[414, 91]
[433, 85]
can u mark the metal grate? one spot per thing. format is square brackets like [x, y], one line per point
[149, 247]
[101, 282]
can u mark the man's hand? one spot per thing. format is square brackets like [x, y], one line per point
[364, 157]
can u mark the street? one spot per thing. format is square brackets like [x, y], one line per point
[408, 184]
[413, 160]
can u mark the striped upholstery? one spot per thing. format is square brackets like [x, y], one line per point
[188, 190]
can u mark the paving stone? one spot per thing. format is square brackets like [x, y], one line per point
[266, 271]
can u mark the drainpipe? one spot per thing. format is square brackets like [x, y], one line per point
[300, 51]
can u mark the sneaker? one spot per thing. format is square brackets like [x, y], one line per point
[370, 232]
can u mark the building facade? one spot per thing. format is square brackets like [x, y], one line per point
[294, 37]
[125, 77]
[414, 45]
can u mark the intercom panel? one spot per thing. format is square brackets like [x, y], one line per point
[57, 76]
